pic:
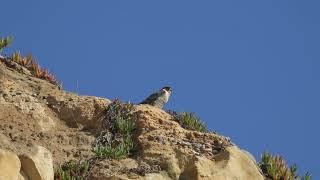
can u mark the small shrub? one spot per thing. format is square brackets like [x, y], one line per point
[276, 168]
[125, 126]
[119, 151]
[4, 42]
[116, 141]
[189, 121]
[72, 171]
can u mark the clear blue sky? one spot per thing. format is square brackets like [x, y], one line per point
[249, 69]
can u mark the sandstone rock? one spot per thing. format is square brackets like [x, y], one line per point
[37, 164]
[5, 143]
[252, 158]
[231, 164]
[78, 111]
[22, 176]
[182, 161]
[158, 176]
[18, 68]
[9, 165]
[108, 168]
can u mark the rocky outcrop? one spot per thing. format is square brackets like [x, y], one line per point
[37, 164]
[78, 111]
[9, 165]
[46, 126]
[231, 164]
[34, 111]
[46, 103]
[185, 154]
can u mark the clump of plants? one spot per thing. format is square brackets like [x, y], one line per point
[116, 141]
[4, 42]
[189, 121]
[275, 168]
[33, 66]
[28, 62]
[72, 170]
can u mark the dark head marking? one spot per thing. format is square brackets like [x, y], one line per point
[167, 88]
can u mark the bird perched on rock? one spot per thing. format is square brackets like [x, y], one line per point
[158, 99]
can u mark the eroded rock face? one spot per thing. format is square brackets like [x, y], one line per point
[6, 144]
[78, 111]
[64, 125]
[187, 154]
[9, 165]
[37, 164]
[33, 111]
[231, 164]
[22, 176]
[46, 103]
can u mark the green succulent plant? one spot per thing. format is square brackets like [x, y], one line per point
[4, 42]
[275, 168]
[189, 121]
[119, 123]
[28, 62]
[72, 170]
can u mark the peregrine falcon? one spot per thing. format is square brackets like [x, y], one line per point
[158, 99]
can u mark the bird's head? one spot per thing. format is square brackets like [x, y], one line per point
[167, 89]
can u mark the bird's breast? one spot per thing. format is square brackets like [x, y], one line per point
[166, 96]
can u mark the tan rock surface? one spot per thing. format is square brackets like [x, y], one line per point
[37, 164]
[22, 176]
[231, 164]
[6, 144]
[187, 154]
[27, 117]
[9, 165]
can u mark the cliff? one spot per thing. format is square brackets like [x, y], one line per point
[43, 127]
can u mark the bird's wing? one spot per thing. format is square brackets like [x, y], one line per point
[151, 98]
